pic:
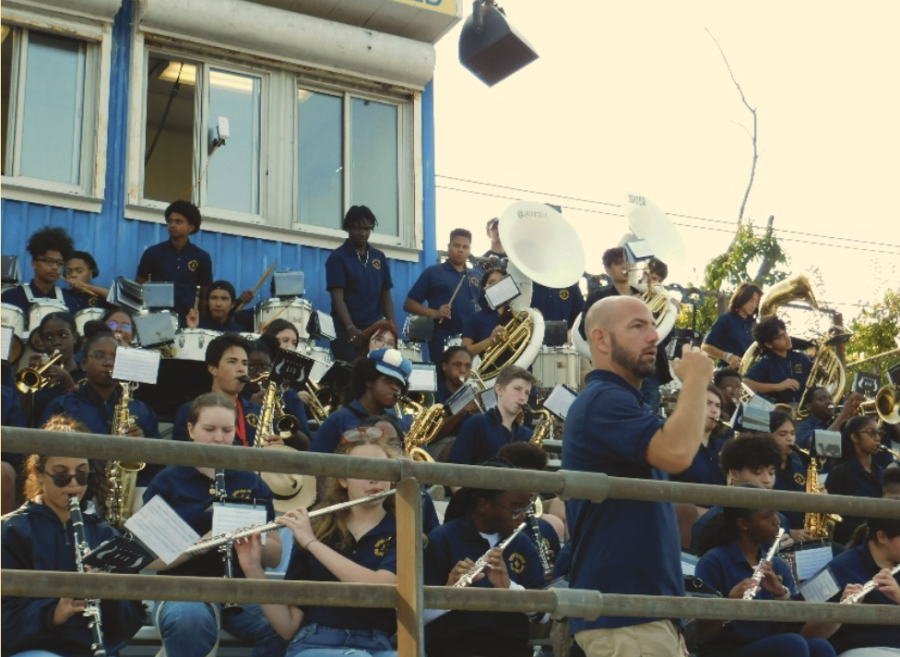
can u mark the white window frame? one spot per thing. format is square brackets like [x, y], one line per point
[278, 134]
[89, 193]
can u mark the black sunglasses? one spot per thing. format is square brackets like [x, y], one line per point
[62, 479]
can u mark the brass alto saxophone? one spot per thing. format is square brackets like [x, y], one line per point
[122, 475]
[819, 525]
[91, 607]
[544, 429]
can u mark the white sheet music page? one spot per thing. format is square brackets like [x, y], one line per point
[559, 401]
[136, 365]
[230, 517]
[423, 378]
[810, 561]
[501, 292]
[820, 588]
[6, 343]
[161, 530]
[326, 325]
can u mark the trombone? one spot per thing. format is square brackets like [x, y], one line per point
[31, 379]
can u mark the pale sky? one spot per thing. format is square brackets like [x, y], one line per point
[634, 96]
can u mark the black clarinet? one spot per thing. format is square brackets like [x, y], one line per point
[538, 540]
[92, 606]
[227, 550]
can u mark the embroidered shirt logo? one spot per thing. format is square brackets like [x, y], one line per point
[799, 479]
[517, 563]
[253, 420]
[193, 264]
[376, 263]
[382, 546]
[564, 295]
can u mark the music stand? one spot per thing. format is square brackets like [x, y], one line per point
[179, 381]
[556, 333]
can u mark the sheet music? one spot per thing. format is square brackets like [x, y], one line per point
[488, 399]
[811, 561]
[559, 401]
[460, 399]
[6, 342]
[229, 517]
[161, 530]
[820, 588]
[326, 325]
[423, 378]
[136, 365]
[639, 250]
[827, 443]
[501, 292]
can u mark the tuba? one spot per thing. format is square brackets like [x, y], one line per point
[122, 475]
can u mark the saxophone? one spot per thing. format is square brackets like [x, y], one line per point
[819, 525]
[544, 429]
[122, 475]
[91, 607]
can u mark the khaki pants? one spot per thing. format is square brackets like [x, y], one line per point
[658, 639]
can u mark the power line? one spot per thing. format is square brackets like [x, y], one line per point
[708, 228]
[671, 214]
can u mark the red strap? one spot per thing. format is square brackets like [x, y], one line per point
[241, 429]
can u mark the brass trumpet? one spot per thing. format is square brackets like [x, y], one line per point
[31, 379]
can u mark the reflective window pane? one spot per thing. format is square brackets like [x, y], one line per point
[319, 153]
[6, 58]
[233, 174]
[373, 161]
[54, 107]
[169, 129]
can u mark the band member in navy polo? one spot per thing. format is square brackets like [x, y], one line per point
[732, 334]
[477, 520]
[821, 417]
[50, 248]
[483, 328]
[481, 436]
[617, 269]
[178, 260]
[558, 305]
[780, 374]
[219, 304]
[359, 279]
[791, 476]
[438, 285]
[81, 269]
[629, 546]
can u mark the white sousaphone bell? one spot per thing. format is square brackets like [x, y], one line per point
[647, 222]
[541, 247]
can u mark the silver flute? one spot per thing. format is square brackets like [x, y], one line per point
[92, 606]
[481, 564]
[229, 537]
[757, 577]
[539, 540]
[867, 588]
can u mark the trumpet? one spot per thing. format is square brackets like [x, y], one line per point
[867, 588]
[31, 379]
[892, 452]
[230, 537]
[481, 564]
[757, 576]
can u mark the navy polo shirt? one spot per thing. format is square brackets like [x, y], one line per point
[362, 282]
[792, 477]
[89, 408]
[731, 333]
[87, 300]
[548, 536]
[328, 436]
[772, 368]
[851, 478]
[43, 397]
[807, 428]
[187, 491]
[702, 521]
[607, 430]
[856, 566]
[13, 416]
[723, 568]
[16, 296]
[376, 550]
[482, 436]
[481, 324]
[228, 326]
[188, 268]
[455, 541]
[251, 420]
[595, 296]
[436, 286]
[558, 305]
[705, 468]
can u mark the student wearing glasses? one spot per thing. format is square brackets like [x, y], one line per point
[121, 323]
[780, 374]
[49, 248]
[858, 474]
[381, 335]
[39, 536]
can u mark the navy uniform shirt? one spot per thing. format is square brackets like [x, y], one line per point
[246, 408]
[328, 436]
[33, 538]
[851, 478]
[187, 491]
[792, 477]
[436, 286]
[13, 416]
[228, 326]
[732, 334]
[702, 521]
[457, 540]
[89, 408]
[772, 368]
[856, 566]
[807, 429]
[558, 305]
[482, 436]
[376, 550]
[481, 324]
[87, 300]
[723, 568]
[619, 546]
[17, 297]
[42, 398]
[595, 296]
[188, 268]
[705, 468]
[362, 281]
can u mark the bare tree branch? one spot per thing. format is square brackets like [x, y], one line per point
[746, 129]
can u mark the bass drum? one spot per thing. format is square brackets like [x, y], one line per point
[191, 344]
[296, 311]
[85, 315]
[557, 366]
[411, 350]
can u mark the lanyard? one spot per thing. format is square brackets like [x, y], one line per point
[241, 429]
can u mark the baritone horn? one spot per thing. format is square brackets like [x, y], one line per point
[31, 379]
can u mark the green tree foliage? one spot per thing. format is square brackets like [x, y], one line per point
[725, 272]
[875, 331]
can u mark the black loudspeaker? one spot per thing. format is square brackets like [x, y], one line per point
[490, 47]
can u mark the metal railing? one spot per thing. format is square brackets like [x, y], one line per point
[409, 596]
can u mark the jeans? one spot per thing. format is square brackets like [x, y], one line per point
[650, 391]
[783, 645]
[316, 640]
[191, 629]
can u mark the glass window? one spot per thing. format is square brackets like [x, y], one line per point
[320, 186]
[374, 161]
[6, 57]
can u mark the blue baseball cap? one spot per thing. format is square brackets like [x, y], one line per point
[391, 362]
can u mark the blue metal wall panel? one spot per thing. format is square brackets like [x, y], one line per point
[117, 243]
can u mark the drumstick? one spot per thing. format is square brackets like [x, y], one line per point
[275, 316]
[259, 283]
[455, 292]
[197, 300]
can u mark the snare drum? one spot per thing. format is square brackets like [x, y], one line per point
[296, 311]
[85, 315]
[41, 308]
[191, 344]
[411, 350]
[13, 317]
[557, 366]
[453, 341]
[322, 359]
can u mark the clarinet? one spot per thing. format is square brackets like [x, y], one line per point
[750, 593]
[867, 588]
[92, 606]
[539, 540]
[481, 564]
[227, 550]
